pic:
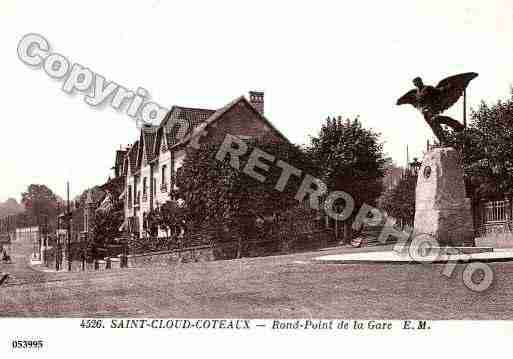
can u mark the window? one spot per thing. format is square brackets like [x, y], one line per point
[244, 137]
[163, 185]
[145, 188]
[137, 191]
[173, 172]
[129, 199]
[179, 174]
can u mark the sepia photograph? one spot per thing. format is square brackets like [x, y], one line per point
[195, 175]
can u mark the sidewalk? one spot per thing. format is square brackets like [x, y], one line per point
[393, 257]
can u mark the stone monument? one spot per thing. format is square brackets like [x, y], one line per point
[441, 207]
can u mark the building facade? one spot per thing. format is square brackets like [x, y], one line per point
[150, 165]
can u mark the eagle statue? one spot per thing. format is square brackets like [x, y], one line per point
[433, 101]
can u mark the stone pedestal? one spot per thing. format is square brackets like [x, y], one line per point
[441, 207]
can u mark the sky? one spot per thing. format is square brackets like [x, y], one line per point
[312, 60]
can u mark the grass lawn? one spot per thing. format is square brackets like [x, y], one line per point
[288, 286]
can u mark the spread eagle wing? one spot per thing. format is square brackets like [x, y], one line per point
[452, 87]
[408, 98]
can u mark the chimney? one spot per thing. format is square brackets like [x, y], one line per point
[256, 99]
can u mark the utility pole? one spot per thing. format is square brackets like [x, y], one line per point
[407, 157]
[465, 108]
[44, 240]
[37, 251]
[57, 244]
[68, 217]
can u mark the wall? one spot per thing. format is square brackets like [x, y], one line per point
[241, 120]
[504, 240]
[195, 254]
[162, 195]
[129, 207]
[145, 201]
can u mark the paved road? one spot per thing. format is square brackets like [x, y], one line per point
[20, 270]
[288, 286]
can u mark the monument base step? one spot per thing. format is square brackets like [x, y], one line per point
[468, 250]
[461, 250]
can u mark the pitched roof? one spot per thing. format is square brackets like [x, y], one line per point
[148, 135]
[118, 163]
[114, 185]
[120, 155]
[158, 141]
[175, 130]
[132, 156]
[219, 113]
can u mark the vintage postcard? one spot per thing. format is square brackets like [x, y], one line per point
[193, 177]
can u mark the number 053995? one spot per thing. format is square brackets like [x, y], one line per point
[27, 344]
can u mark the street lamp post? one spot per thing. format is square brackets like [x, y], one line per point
[415, 166]
[68, 217]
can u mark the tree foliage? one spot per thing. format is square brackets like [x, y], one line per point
[229, 202]
[399, 200]
[108, 212]
[171, 217]
[106, 224]
[39, 201]
[487, 148]
[350, 158]
[10, 207]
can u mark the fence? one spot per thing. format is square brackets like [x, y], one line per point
[497, 211]
[494, 217]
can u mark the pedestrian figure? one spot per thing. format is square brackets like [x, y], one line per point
[3, 277]
[5, 256]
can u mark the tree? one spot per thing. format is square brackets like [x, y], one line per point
[170, 216]
[399, 201]
[39, 201]
[226, 202]
[350, 158]
[487, 148]
[107, 221]
[106, 226]
[10, 207]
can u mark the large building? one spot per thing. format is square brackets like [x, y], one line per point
[151, 163]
